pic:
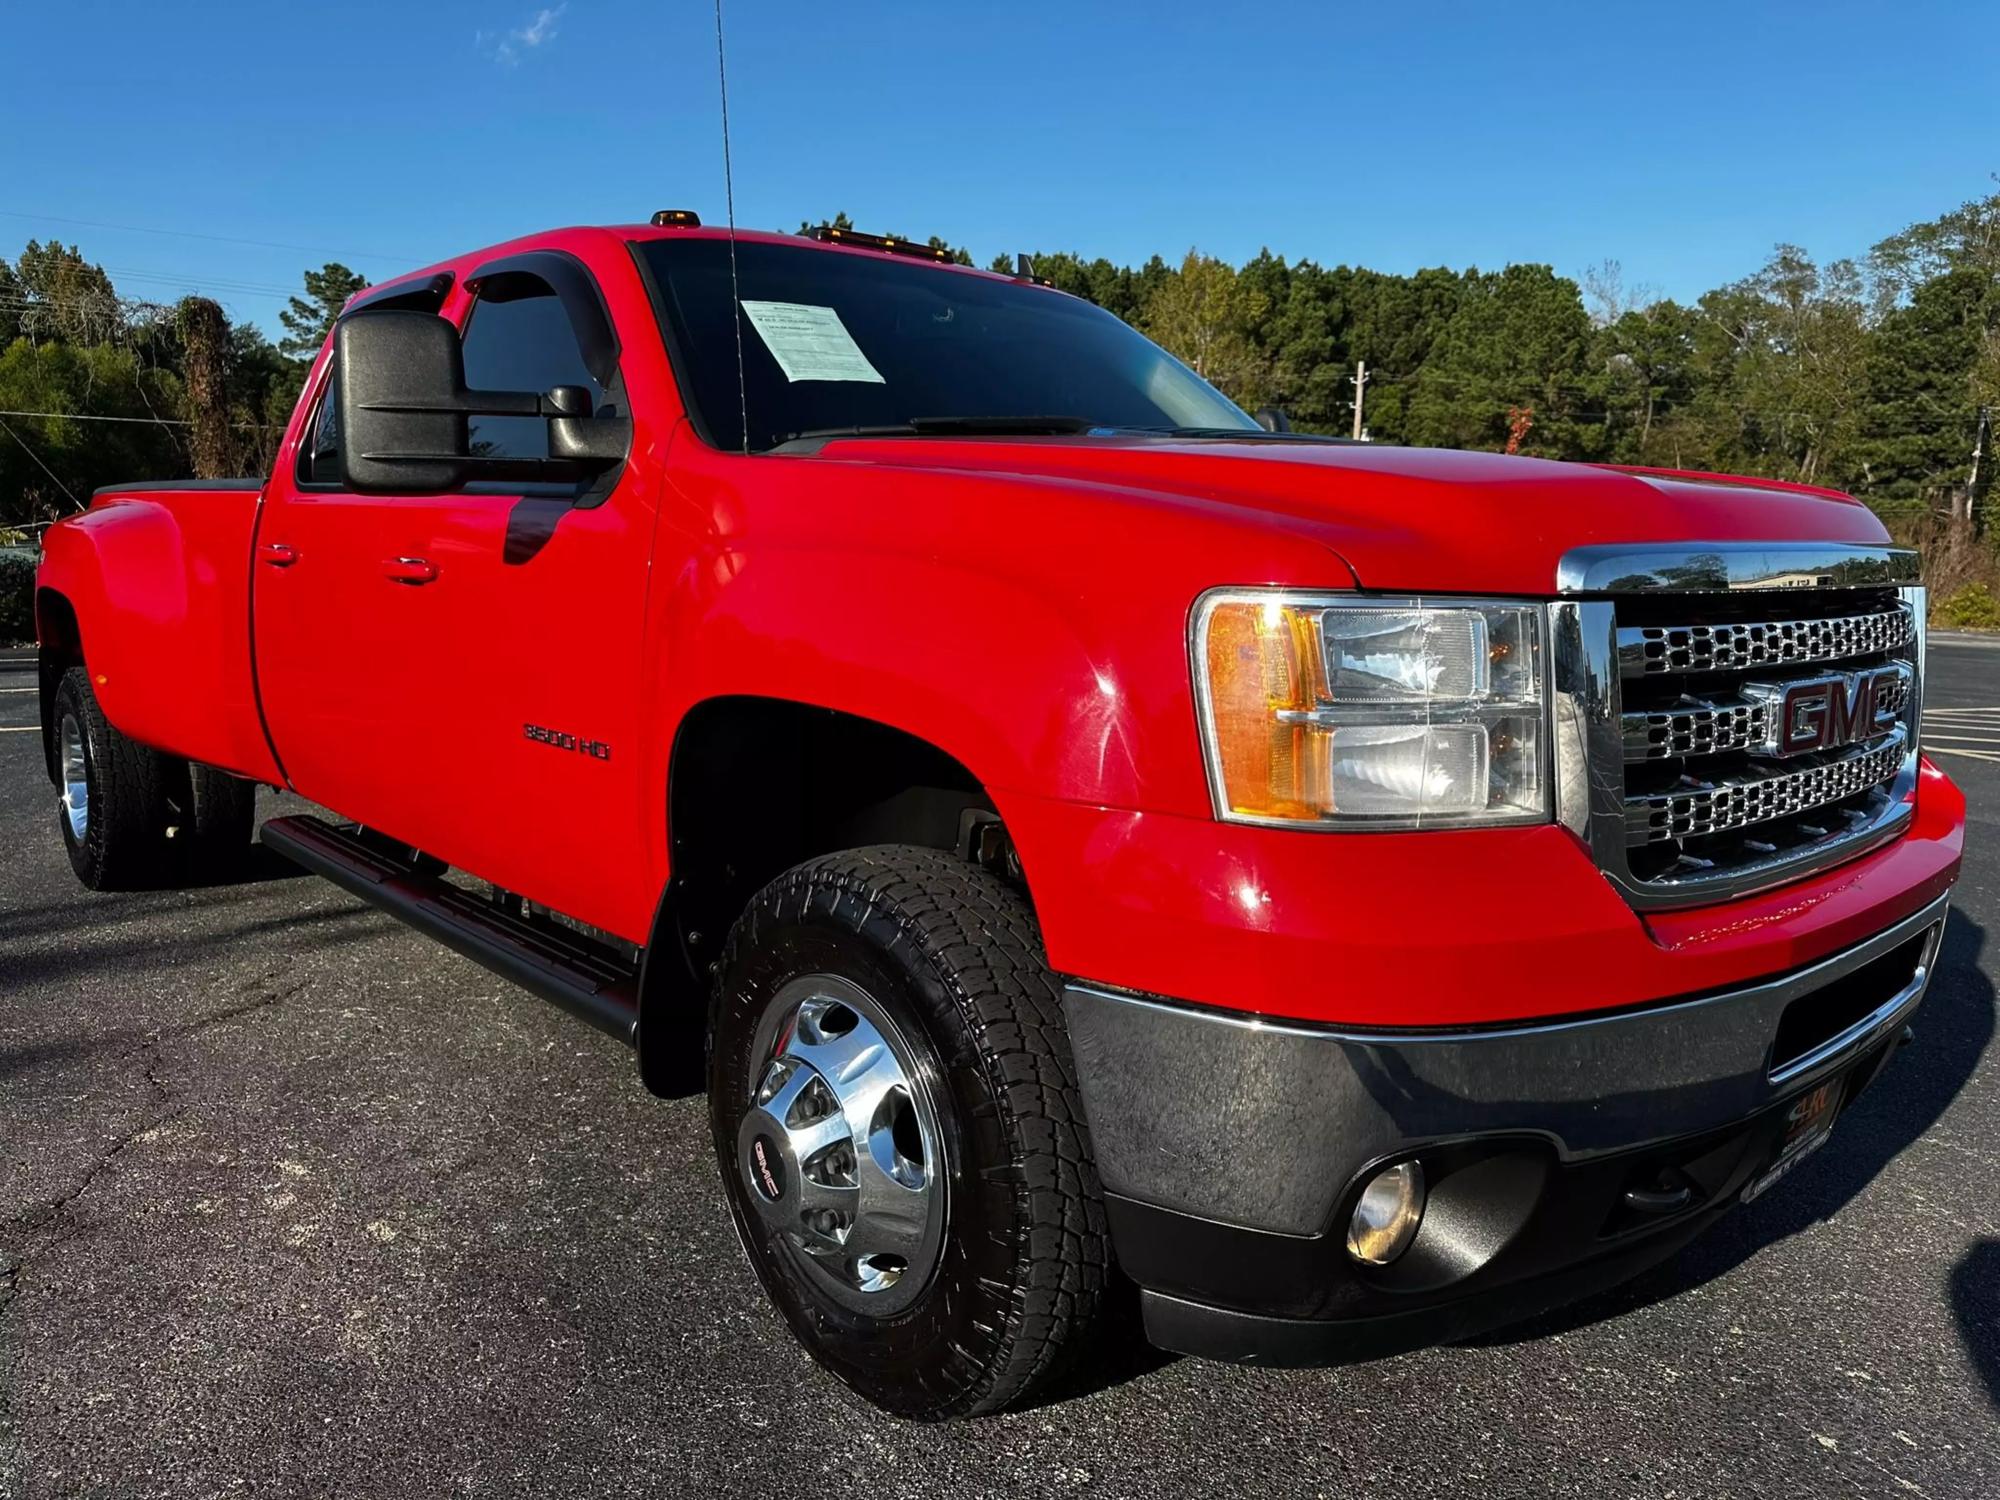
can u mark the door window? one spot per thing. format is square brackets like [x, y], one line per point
[521, 343]
[319, 453]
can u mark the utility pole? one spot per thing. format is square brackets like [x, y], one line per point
[1982, 432]
[1360, 387]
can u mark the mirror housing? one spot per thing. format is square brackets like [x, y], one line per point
[402, 409]
[399, 401]
[1273, 419]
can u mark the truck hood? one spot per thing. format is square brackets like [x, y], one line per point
[1403, 518]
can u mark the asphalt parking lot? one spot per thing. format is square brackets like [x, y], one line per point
[294, 1203]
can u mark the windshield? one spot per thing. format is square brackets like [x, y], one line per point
[833, 341]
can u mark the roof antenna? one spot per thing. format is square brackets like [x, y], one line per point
[729, 192]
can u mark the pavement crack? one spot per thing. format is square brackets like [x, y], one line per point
[263, 993]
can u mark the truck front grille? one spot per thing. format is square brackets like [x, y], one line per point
[1651, 649]
[1697, 808]
[1729, 721]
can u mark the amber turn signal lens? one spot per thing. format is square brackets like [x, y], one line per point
[1263, 662]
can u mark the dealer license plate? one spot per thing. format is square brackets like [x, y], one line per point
[1808, 1122]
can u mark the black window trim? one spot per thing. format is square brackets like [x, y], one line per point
[575, 288]
[424, 296]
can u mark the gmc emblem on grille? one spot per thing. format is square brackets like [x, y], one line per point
[1823, 713]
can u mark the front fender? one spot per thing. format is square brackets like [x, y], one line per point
[1034, 630]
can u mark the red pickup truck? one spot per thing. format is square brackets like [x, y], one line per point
[1354, 894]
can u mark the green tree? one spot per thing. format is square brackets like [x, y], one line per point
[263, 385]
[1965, 239]
[1203, 314]
[307, 319]
[63, 455]
[1516, 341]
[66, 297]
[1787, 366]
[1639, 370]
[1932, 363]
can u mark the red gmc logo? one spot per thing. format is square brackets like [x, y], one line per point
[1824, 713]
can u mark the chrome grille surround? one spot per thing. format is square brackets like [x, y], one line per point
[1678, 799]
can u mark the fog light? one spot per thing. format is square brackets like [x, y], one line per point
[1386, 1218]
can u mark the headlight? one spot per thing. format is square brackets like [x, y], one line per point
[1356, 712]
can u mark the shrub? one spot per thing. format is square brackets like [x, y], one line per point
[17, 595]
[1972, 607]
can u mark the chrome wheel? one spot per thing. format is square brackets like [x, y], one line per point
[75, 778]
[841, 1146]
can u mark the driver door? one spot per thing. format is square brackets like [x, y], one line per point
[461, 671]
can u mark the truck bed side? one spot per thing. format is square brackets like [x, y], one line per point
[150, 589]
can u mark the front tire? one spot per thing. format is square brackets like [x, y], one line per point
[112, 805]
[895, 1113]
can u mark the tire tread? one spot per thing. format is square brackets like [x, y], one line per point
[125, 845]
[979, 936]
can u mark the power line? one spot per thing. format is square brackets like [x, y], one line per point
[220, 239]
[40, 465]
[84, 416]
[218, 283]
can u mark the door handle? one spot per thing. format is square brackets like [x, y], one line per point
[278, 555]
[410, 569]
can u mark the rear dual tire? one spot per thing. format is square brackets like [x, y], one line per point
[895, 1114]
[133, 818]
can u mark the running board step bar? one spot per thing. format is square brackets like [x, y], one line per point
[565, 968]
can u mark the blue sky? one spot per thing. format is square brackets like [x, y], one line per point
[1681, 140]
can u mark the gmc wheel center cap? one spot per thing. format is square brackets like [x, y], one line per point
[767, 1167]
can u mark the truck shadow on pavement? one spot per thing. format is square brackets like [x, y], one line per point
[1975, 1299]
[1954, 1028]
[84, 957]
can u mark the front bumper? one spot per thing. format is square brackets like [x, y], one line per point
[1560, 1155]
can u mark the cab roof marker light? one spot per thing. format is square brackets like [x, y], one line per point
[832, 235]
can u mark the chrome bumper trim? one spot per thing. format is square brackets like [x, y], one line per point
[1262, 1122]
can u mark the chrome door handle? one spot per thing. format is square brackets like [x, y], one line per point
[278, 555]
[410, 569]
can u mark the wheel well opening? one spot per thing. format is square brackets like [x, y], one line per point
[60, 648]
[758, 784]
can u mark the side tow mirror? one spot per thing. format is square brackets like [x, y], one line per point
[402, 409]
[399, 401]
[577, 436]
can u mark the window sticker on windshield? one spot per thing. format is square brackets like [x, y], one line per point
[810, 343]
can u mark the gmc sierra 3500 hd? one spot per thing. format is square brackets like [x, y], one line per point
[1359, 894]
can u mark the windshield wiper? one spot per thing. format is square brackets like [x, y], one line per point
[1030, 426]
[1254, 435]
